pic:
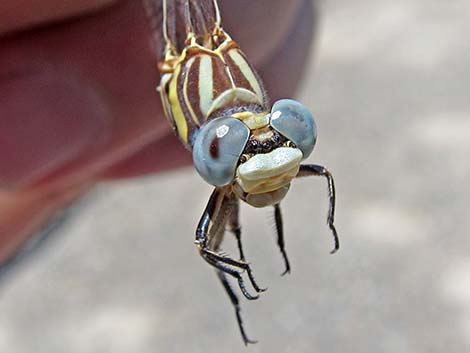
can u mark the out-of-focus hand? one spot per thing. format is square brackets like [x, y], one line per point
[78, 101]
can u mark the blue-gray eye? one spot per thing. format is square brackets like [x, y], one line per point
[217, 149]
[293, 120]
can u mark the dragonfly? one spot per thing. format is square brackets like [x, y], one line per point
[248, 149]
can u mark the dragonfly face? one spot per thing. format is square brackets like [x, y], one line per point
[247, 149]
[258, 154]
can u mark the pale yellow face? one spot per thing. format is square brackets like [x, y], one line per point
[264, 179]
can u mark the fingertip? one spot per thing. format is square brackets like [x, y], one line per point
[161, 155]
[20, 14]
[48, 119]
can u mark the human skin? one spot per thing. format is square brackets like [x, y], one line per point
[78, 102]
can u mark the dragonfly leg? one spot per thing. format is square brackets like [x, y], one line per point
[236, 305]
[280, 237]
[234, 273]
[234, 227]
[170, 47]
[209, 234]
[313, 169]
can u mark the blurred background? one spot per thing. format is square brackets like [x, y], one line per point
[389, 86]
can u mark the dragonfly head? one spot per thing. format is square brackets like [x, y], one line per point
[258, 154]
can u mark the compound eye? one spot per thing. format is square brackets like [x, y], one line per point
[217, 149]
[293, 120]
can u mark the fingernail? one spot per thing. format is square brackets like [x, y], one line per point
[47, 118]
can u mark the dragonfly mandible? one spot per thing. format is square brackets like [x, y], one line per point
[248, 149]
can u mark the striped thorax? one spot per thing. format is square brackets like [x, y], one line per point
[201, 82]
